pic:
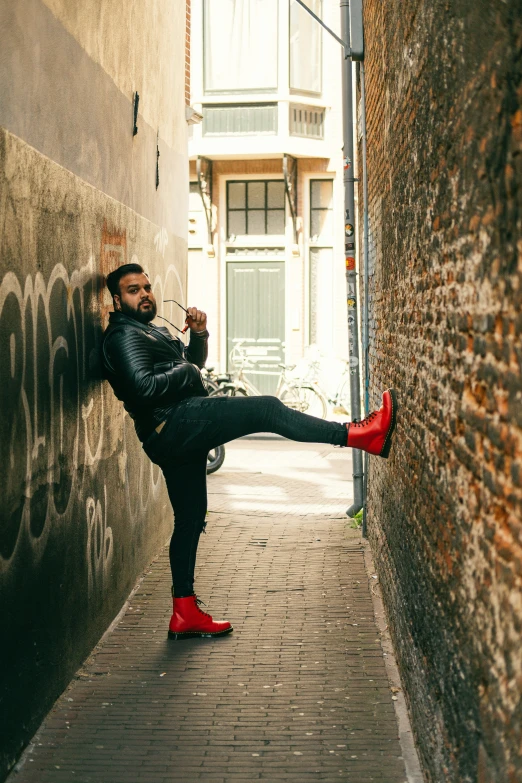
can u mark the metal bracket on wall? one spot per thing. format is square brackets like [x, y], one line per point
[204, 172]
[136, 104]
[290, 175]
[344, 44]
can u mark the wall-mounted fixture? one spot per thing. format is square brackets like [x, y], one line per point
[136, 103]
[157, 160]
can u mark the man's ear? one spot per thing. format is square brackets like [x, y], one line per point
[117, 302]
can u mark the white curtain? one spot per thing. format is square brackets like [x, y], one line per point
[240, 45]
[305, 47]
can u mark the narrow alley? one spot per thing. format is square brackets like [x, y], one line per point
[316, 200]
[300, 691]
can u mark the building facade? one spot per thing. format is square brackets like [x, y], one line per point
[266, 194]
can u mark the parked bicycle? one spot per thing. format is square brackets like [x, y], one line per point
[341, 400]
[213, 380]
[304, 396]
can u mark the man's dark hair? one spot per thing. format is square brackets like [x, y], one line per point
[113, 280]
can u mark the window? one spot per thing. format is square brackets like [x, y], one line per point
[255, 207]
[240, 45]
[305, 47]
[321, 211]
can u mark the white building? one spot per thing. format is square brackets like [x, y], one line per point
[266, 230]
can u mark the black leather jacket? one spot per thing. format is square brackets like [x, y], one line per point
[151, 371]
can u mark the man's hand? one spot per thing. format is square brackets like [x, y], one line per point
[196, 319]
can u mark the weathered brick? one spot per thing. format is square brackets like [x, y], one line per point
[444, 178]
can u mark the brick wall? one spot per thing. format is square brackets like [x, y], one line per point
[444, 82]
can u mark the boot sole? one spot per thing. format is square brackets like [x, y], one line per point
[388, 442]
[175, 636]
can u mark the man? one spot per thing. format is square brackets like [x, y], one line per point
[159, 382]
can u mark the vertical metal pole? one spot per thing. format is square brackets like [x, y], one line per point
[351, 274]
[366, 318]
[366, 336]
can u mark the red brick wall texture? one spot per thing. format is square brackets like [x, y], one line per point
[444, 83]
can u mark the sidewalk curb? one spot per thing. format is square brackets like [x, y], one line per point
[409, 751]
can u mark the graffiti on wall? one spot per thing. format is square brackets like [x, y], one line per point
[161, 241]
[60, 423]
[99, 543]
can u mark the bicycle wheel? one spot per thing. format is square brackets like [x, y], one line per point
[215, 459]
[210, 386]
[305, 399]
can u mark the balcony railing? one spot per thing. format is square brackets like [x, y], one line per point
[240, 120]
[306, 121]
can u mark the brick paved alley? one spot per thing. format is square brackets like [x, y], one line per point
[299, 691]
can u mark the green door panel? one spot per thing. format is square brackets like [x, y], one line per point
[256, 316]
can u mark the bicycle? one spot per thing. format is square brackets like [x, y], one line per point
[341, 401]
[297, 394]
[212, 381]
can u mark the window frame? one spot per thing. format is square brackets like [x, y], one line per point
[266, 208]
[299, 90]
[320, 242]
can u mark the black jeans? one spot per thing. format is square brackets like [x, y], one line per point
[199, 424]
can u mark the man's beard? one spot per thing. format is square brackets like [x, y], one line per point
[144, 316]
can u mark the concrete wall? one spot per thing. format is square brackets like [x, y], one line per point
[444, 83]
[83, 510]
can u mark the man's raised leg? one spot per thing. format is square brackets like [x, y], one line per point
[206, 422]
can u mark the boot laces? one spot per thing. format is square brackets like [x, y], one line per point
[199, 603]
[366, 421]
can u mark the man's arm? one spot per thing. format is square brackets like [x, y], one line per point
[197, 350]
[132, 362]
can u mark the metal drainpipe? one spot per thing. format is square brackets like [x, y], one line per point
[349, 207]
[366, 316]
[351, 274]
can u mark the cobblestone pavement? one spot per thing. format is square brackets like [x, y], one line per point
[299, 691]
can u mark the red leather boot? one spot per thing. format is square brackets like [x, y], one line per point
[188, 621]
[374, 434]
